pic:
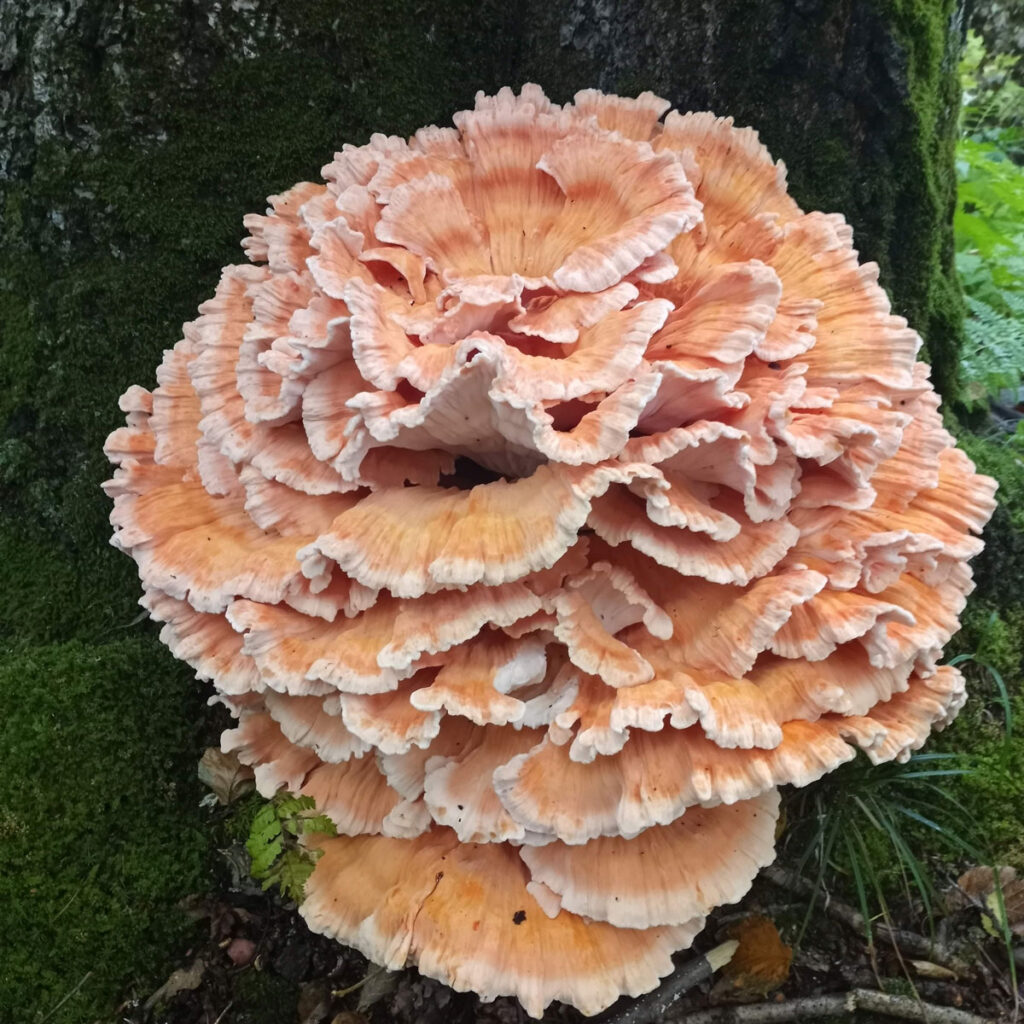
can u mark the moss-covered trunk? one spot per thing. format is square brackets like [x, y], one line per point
[133, 137]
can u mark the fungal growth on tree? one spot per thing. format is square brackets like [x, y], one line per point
[544, 494]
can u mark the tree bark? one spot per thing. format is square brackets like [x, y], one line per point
[859, 97]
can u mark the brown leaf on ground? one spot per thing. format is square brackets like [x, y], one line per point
[1009, 910]
[979, 881]
[929, 970]
[979, 885]
[225, 775]
[760, 964]
[185, 979]
[1013, 897]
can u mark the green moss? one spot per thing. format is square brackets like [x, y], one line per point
[993, 632]
[997, 458]
[993, 788]
[101, 829]
[994, 636]
[999, 569]
[925, 283]
[903, 213]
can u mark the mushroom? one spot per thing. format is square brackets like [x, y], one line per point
[548, 492]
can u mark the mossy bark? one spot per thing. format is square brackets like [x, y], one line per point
[133, 137]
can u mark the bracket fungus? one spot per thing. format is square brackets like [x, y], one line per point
[546, 492]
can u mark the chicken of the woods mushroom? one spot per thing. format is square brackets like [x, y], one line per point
[544, 493]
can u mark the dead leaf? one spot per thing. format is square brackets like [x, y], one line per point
[1006, 912]
[314, 1001]
[929, 970]
[379, 983]
[979, 881]
[979, 885]
[225, 775]
[185, 979]
[760, 964]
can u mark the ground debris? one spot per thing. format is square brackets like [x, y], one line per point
[225, 775]
[184, 979]
[258, 943]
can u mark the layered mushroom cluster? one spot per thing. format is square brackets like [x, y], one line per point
[546, 493]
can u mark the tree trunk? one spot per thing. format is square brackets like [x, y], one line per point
[134, 136]
[132, 127]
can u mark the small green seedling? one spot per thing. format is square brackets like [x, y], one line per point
[277, 854]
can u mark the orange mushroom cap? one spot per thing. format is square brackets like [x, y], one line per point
[547, 492]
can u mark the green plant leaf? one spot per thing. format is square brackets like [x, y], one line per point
[277, 856]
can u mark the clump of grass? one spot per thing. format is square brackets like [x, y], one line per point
[864, 827]
[861, 826]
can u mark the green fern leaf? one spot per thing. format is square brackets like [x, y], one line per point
[993, 357]
[265, 823]
[319, 823]
[263, 855]
[276, 856]
[294, 870]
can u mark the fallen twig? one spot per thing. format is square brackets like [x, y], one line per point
[223, 1013]
[654, 1005]
[82, 981]
[816, 1008]
[917, 946]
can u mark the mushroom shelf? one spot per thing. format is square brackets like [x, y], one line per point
[545, 493]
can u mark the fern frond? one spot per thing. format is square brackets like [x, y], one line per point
[993, 357]
[276, 855]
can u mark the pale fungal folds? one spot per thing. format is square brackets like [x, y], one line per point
[547, 492]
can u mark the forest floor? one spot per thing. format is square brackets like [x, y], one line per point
[255, 962]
